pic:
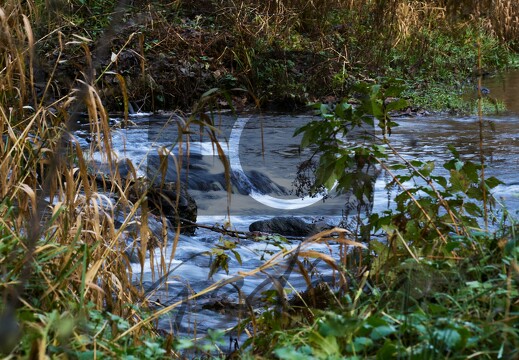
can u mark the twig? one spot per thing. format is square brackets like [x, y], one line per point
[481, 155]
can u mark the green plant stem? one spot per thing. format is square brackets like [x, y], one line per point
[481, 155]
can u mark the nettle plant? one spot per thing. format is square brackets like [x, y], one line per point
[429, 218]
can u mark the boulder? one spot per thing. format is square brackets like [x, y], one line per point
[173, 201]
[287, 226]
[163, 198]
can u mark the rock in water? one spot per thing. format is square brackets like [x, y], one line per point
[286, 226]
[175, 203]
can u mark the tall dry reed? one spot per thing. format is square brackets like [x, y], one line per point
[60, 247]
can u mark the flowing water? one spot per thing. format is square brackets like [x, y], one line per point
[267, 165]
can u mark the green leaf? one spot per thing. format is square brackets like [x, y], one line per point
[440, 180]
[86, 354]
[324, 109]
[388, 351]
[454, 151]
[398, 167]
[492, 182]
[450, 337]
[473, 209]
[237, 256]
[210, 92]
[459, 182]
[332, 325]
[293, 354]
[471, 171]
[475, 192]
[451, 164]
[216, 336]
[427, 169]
[359, 344]
[397, 105]
[184, 344]
[395, 88]
[382, 332]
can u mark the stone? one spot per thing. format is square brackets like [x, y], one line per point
[173, 201]
[287, 226]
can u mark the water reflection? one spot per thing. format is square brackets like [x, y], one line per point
[505, 87]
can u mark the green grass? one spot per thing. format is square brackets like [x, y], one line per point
[439, 97]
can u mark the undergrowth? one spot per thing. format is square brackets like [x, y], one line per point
[440, 284]
[283, 53]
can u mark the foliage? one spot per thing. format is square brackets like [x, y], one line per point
[454, 99]
[283, 52]
[437, 287]
[465, 314]
[343, 161]
[437, 55]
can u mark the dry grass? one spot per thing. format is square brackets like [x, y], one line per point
[61, 252]
[411, 16]
[60, 248]
[498, 16]
[504, 16]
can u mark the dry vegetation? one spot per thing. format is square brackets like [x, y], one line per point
[61, 255]
[63, 260]
[169, 54]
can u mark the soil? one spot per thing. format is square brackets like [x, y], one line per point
[166, 58]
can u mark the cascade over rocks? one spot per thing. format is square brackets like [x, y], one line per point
[163, 198]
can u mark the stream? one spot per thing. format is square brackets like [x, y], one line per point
[263, 168]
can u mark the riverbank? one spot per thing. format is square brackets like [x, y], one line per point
[153, 56]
